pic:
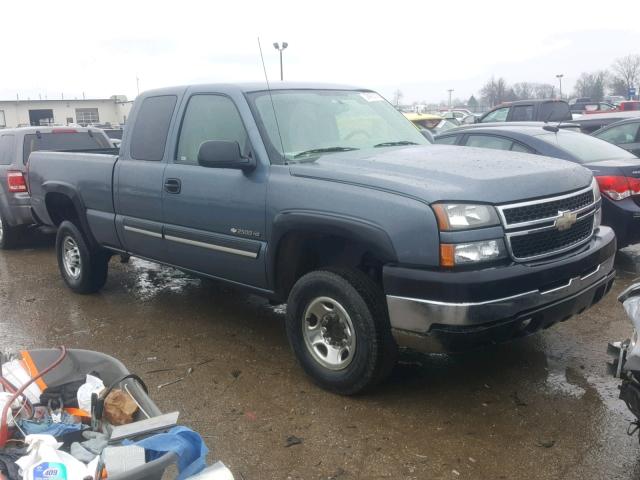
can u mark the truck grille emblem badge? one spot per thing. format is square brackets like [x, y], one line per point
[565, 220]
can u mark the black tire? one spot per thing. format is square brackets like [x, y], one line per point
[8, 235]
[375, 349]
[92, 264]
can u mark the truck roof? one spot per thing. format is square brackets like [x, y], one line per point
[251, 87]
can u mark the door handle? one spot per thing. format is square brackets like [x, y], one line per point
[172, 185]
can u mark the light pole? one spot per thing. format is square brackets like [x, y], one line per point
[559, 77]
[280, 49]
[451, 90]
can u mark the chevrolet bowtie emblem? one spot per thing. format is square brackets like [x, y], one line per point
[565, 220]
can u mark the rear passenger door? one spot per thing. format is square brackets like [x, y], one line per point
[521, 113]
[138, 179]
[215, 217]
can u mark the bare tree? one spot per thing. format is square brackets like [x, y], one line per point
[523, 90]
[618, 86]
[494, 91]
[627, 69]
[591, 85]
[544, 90]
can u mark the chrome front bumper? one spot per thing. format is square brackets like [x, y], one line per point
[418, 315]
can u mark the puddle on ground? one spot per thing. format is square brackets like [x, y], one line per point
[152, 279]
[557, 382]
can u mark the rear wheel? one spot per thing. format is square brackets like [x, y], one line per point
[8, 234]
[84, 270]
[338, 327]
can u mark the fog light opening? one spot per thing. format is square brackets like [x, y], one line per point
[525, 323]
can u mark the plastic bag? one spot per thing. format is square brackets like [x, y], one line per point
[91, 386]
[17, 375]
[44, 459]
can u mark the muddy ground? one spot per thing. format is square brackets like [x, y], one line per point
[539, 408]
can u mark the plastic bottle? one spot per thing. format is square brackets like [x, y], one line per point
[45, 462]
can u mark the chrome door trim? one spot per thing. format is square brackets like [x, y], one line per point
[141, 231]
[211, 246]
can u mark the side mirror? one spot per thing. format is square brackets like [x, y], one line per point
[427, 134]
[470, 119]
[218, 154]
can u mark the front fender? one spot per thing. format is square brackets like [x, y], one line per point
[354, 229]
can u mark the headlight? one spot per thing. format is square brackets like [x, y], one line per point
[469, 253]
[464, 216]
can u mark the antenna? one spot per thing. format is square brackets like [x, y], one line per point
[271, 98]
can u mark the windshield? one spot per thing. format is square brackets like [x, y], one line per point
[64, 140]
[586, 148]
[317, 122]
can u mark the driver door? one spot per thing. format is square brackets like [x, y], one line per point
[214, 218]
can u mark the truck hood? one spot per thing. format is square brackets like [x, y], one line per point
[440, 172]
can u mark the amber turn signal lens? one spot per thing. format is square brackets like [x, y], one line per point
[443, 220]
[447, 255]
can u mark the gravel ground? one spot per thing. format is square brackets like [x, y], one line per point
[539, 408]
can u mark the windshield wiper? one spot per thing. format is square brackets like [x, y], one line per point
[324, 150]
[395, 144]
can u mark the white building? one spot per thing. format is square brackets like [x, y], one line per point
[20, 113]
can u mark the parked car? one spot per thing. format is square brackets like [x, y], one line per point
[15, 146]
[590, 123]
[614, 99]
[435, 124]
[591, 107]
[527, 111]
[616, 170]
[624, 133]
[629, 105]
[340, 208]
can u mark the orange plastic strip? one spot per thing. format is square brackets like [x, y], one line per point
[78, 412]
[33, 370]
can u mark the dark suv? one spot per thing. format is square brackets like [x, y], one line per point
[528, 111]
[15, 147]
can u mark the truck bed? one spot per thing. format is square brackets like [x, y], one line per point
[70, 172]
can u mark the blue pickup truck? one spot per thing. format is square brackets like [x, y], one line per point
[327, 198]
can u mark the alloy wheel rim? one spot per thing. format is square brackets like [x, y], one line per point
[1, 230]
[71, 258]
[328, 333]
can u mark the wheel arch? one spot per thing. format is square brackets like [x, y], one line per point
[63, 202]
[304, 240]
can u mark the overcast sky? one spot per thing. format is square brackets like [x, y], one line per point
[422, 47]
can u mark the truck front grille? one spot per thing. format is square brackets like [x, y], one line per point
[538, 211]
[551, 241]
[542, 228]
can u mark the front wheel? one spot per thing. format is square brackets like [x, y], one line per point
[84, 270]
[338, 327]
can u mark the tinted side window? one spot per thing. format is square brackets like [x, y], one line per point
[451, 140]
[149, 134]
[518, 147]
[522, 113]
[488, 141]
[63, 141]
[554, 112]
[621, 134]
[6, 149]
[499, 115]
[209, 117]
